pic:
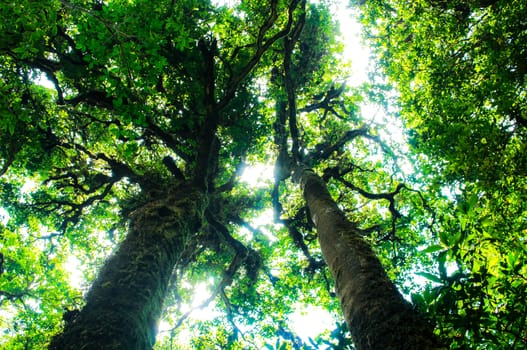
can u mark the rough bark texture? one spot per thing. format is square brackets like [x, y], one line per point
[125, 301]
[376, 313]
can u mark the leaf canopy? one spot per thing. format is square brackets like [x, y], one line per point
[105, 106]
[459, 70]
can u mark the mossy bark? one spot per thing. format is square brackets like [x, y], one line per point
[377, 315]
[125, 301]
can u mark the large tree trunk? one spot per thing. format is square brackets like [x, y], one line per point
[376, 313]
[125, 301]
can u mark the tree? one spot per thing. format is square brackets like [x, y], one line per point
[459, 69]
[376, 313]
[141, 120]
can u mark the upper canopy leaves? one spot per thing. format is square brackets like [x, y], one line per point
[105, 104]
[459, 67]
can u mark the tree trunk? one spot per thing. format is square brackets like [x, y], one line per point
[125, 301]
[377, 315]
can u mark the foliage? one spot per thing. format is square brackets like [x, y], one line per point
[105, 106]
[34, 284]
[459, 71]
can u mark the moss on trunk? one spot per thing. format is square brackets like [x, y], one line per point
[125, 301]
[376, 313]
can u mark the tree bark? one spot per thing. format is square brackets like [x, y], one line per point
[377, 315]
[125, 301]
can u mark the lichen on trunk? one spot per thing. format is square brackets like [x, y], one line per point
[377, 315]
[125, 301]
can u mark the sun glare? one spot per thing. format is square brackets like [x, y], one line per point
[309, 323]
[257, 175]
[74, 270]
[4, 216]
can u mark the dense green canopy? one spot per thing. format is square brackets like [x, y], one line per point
[133, 132]
[459, 68]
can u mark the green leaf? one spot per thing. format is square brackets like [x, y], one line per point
[432, 249]
[114, 130]
[130, 149]
[472, 201]
[430, 277]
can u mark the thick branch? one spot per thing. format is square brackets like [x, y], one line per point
[229, 185]
[290, 86]
[325, 150]
[11, 154]
[49, 68]
[238, 246]
[207, 137]
[326, 103]
[262, 46]
[169, 139]
[92, 98]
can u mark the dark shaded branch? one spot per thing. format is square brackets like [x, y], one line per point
[49, 68]
[257, 234]
[298, 240]
[93, 98]
[248, 257]
[323, 151]
[229, 185]
[292, 228]
[262, 46]
[12, 296]
[225, 282]
[340, 170]
[93, 183]
[389, 196]
[207, 139]
[170, 164]
[240, 256]
[207, 155]
[290, 85]
[119, 169]
[238, 246]
[76, 57]
[282, 168]
[74, 213]
[209, 52]
[327, 102]
[13, 149]
[287, 334]
[169, 139]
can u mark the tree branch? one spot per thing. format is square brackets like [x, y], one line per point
[389, 196]
[262, 46]
[323, 151]
[290, 86]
